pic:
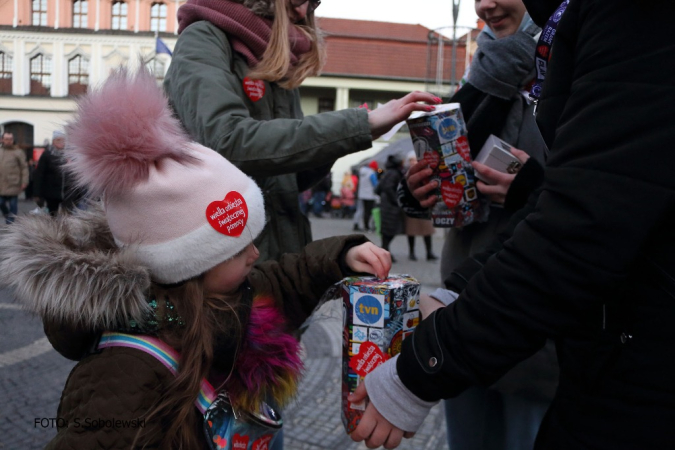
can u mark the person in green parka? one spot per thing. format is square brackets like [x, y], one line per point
[233, 84]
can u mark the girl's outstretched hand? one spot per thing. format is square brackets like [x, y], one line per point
[369, 258]
[386, 116]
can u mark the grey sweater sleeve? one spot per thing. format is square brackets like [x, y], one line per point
[393, 400]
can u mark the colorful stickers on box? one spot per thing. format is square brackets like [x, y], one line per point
[379, 315]
[440, 138]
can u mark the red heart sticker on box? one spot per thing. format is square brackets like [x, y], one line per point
[462, 146]
[255, 89]
[432, 158]
[228, 216]
[263, 443]
[369, 357]
[239, 442]
[452, 193]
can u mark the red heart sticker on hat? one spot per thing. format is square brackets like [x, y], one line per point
[462, 146]
[452, 193]
[432, 158]
[255, 89]
[370, 356]
[239, 441]
[228, 216]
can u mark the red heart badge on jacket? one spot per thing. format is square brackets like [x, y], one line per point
[239, 441]
[462, 146]
[263, 443]
[255, 89]
[370, 356]
[228, 216]
[452, 193]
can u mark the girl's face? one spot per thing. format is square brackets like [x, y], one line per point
[227, 276]
[502, 16]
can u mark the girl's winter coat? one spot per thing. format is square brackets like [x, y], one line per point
[70, 272]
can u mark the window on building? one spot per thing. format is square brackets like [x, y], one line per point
[158, 17]
[40, 75]
[119, 16]
[157, 67]
[5, 73]
[78, 75]
[40, 13]
[326, 104]
[80, 9]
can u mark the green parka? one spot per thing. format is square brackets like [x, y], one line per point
[268, 139]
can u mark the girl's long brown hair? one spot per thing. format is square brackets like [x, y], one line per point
[275, 64]
[176, 412]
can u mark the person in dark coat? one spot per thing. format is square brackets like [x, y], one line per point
[48, 187]
[51, 184]
[391, 214]
[590, 264]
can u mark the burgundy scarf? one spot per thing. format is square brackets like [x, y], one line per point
[249, 34]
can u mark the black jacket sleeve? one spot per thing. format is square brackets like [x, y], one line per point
[607, 193]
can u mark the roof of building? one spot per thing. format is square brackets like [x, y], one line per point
[365, 48]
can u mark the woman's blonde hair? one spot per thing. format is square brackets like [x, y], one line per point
[275, 64]
[205, 319]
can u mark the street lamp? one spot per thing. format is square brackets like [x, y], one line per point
[435, 37]
[453, 61]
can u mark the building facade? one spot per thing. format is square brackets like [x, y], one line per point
[51, 51]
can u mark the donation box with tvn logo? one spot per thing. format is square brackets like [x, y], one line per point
[378, 315]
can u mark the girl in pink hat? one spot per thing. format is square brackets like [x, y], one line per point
[155, 291]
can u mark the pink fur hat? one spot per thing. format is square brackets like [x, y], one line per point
[181, 207]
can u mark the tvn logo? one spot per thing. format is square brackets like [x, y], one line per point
[368, 310]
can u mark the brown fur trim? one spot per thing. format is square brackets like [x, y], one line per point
[69, 270]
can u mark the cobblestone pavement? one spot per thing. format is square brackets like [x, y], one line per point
[32, 374]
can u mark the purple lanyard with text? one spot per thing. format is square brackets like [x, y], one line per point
[542, 54]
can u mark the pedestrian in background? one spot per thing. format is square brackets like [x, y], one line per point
[417, 227]
[320, 195]
[14, 176]
[233, 83]
[347, 196]
[366, 196]
[391, 214]
[48, 180]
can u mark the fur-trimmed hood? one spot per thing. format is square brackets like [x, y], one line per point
[69, 271]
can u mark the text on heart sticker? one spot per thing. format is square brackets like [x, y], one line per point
[432, 158]
[370, 356]
[228, 216]
[263, 443]
[255, 89]
[239, 442]
[452, 193]
[462, 146]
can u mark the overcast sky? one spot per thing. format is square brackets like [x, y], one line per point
[430, 13]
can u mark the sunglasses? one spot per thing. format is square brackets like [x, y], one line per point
[313, 4]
